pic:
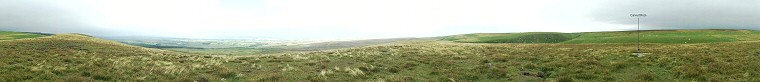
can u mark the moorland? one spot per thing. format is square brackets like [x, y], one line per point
[671, 55]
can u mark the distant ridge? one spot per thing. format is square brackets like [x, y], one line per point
[40, 33]
[647, 36]
[9, 35]
[80, 39]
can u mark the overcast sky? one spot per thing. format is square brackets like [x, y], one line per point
[333, 19]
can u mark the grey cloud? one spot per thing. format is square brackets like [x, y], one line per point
[42, 16]
[683, 14]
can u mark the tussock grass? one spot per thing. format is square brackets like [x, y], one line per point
[81, 58]
[73, 57]
[444, 61]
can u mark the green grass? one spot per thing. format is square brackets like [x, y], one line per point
[72, 57]
[652, 36]
[532, 37]
[442, 61]
[7, 35]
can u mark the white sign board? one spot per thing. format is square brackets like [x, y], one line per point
[638, 15]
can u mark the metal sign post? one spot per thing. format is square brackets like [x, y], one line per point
[638, 34]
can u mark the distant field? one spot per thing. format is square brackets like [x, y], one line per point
[7, 35]
[532, 37]
[261, 47]
[228, 51]
[648, 36]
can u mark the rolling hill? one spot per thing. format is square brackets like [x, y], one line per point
[77, 57]
[453, 62]
[8, 35]
[647, 36]
[271, 48]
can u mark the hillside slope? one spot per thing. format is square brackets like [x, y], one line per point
[453, 62]
[8, 35]
[76, 57]
[647, 36]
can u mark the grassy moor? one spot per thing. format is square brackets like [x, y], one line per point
[672, 56]
[379, 40]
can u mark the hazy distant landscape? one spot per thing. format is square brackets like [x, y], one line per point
[249, 46]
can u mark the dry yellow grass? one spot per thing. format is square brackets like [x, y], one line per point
[74, 57]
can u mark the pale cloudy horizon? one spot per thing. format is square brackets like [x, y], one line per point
[338, 19]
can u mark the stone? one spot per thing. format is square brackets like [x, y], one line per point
[639, 54]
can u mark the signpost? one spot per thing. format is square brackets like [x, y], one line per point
[638, 34]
